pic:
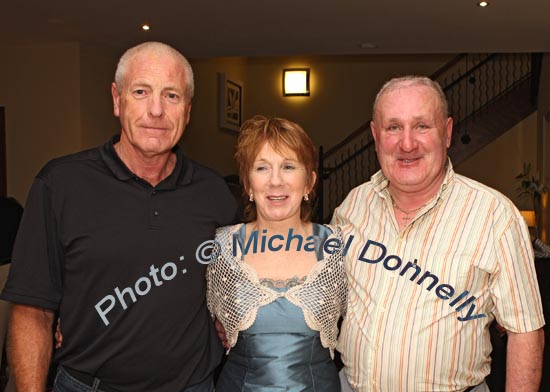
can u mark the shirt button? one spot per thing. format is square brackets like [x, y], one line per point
[154, 192]
[156, 213]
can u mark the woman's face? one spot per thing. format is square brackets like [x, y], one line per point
[278, 182]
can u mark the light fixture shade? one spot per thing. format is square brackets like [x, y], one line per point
[296, 82]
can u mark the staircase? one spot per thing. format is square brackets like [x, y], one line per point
[487, 95]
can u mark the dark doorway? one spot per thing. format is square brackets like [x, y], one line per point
[3, 175]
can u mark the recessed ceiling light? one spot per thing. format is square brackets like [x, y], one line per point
[367, 45]
[483, 3]
[145, 27]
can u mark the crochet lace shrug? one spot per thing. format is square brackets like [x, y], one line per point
[234, 292]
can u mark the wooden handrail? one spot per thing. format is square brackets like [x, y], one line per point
[366, 126]
[344, 170]
[351, 136]
[349, 158]
[468, 72]
[447, 66]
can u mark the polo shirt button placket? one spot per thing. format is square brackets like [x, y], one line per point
[154, 211]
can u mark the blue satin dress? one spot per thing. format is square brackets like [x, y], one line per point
[279, 352]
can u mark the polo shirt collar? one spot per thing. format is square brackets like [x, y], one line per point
[181, 175]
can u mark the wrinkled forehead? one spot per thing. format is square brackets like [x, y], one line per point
[421, 98]
[155, 65]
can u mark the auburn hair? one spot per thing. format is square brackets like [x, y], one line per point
[283, 135]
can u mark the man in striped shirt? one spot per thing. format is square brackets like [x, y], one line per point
[434, 258]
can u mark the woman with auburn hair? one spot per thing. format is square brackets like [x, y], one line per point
[277, 282]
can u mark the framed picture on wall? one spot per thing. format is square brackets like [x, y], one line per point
[230, 103]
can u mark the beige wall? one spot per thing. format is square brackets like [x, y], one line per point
[342, 92]
[497, 164]
[342, 89]
[203, 140]
[39, 86]
[58, 101]
[529, 141]
[97, 72]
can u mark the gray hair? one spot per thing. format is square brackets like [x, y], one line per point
[412, 80]
[157, 47]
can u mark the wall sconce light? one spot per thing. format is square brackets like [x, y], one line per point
[295, 82]
[529, 216]
[530, 219]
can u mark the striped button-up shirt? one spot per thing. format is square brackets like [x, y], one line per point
[421, 299]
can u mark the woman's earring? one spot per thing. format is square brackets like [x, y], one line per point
[306, 197]
[251, 198]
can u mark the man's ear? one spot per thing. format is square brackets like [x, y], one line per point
[448, 131]
[116, 99]
[374, 131]
[188, 113]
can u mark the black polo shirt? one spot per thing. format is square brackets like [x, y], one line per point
[116, 257]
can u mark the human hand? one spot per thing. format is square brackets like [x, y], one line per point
[500, 330]
[58, 335]
[221, 334]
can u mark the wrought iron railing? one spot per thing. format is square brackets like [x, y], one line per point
[489, 78]
[470, 83]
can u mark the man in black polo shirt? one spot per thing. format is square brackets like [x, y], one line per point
[109, 238]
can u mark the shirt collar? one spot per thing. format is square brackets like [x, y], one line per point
[181, 175]
[380, 182]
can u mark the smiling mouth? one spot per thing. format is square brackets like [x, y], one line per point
[409, 160]
[277, 198]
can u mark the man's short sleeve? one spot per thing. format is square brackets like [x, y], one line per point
[514, 288]
[35, 277]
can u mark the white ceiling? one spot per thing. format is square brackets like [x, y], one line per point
[219, 28]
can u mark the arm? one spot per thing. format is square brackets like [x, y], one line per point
[220, 330]
[524, 361]
[58, 335]
[30, 346]
[211, 300]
